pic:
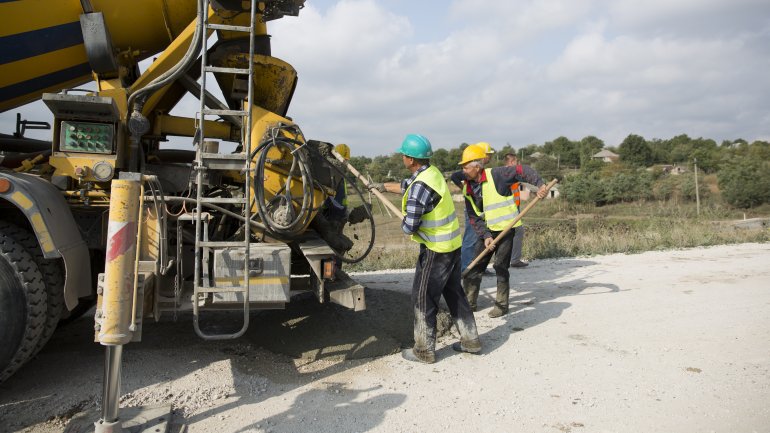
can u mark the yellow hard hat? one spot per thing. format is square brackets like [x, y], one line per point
[486, 146]
[472, 153]
[343, 150]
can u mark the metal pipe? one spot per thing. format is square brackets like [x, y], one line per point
[113, 356]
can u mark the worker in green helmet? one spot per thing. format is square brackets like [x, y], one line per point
[430, 220]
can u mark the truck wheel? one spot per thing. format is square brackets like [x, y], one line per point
[12, 311]
[53, 279]
[21, 284]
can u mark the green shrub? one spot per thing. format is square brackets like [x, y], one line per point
[745, 182]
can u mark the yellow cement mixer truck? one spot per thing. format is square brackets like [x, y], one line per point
[107, 213]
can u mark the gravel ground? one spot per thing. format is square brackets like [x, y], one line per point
[669, 341]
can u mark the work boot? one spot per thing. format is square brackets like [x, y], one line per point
[421, 357]
[471, 292]
[501, 301]
[472, 347]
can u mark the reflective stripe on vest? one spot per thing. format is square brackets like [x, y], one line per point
[499, 210]
[439, 229]
[516, 188]
[345, 188]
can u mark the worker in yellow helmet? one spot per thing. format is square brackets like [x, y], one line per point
[344, 150]
[490, 206]
[484, 151]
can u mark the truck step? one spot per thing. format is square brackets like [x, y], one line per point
[222, 289]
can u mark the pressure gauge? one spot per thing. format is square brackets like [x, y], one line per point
[103, 171]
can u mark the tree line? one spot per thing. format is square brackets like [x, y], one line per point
[742, 169]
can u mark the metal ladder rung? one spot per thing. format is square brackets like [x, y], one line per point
[222, 289]
[221, 244]
[223, 70]
[234, 156]
[224, 200]
[245, 29]
[225, 112]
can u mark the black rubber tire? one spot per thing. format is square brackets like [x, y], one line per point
[53, 279]
[13, 311]
[24, 282]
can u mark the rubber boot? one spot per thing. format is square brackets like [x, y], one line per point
[470, 346]
[501, 301]
[471, 292]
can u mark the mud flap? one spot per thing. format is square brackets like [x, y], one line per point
[346, 292]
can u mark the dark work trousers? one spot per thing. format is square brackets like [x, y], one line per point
[518, 240]
[438, 274]
[502, 255]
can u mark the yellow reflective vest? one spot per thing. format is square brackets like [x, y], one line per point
[439, 229]
[499, 210]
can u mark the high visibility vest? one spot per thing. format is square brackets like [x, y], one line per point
[439, 229]
[499, 210]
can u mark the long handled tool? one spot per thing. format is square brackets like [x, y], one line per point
[396, 211]
[491, 246]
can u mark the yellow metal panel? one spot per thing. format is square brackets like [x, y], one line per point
[22, 200]
[29, 15]
[140, 24]
[42, 232]
[26, 69]
[66, 163]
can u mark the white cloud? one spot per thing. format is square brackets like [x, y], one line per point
[529, 71]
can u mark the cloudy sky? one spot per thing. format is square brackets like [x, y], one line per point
[520, 72]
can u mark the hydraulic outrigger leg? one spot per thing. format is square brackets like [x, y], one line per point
[113, 319]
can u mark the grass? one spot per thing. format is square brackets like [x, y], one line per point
[555, 229]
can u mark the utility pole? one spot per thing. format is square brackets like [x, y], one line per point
[697, 193]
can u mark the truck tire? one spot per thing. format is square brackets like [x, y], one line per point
[53, 279]
[12, 314]
[21, 284]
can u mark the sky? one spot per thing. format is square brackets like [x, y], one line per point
[523, 72]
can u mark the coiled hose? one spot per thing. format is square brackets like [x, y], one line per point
[278, 213]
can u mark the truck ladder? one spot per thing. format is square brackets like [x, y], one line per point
[208, 160]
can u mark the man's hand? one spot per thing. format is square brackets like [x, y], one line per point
[488, 243]
[378, 186]
[542, 192]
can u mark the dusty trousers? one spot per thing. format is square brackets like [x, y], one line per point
[502, 256]
[438, 274]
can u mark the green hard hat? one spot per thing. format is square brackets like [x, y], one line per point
[416, 146]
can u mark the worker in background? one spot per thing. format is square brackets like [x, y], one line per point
[430, 219]
[469, 236]
[491, 208]
[336, 208]
[518, 237]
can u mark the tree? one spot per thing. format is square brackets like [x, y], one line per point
[588, 147]
[745, 182]
[564, 150]
[582, 188]
[635, 150]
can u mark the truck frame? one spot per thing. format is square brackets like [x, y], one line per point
[105, 214]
